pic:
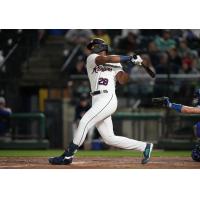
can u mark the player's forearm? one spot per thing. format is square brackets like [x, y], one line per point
[190, 110]
[185, 109]
[100, 60]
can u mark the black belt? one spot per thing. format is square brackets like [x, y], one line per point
[98, 92]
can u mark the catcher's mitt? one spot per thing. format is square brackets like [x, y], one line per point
[161, 101]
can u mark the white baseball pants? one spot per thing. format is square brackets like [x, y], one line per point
[99, 115]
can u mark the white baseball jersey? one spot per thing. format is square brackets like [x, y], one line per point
[102, 76]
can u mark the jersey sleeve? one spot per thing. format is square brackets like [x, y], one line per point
[91, 60]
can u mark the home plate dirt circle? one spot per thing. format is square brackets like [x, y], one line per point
[100, 163]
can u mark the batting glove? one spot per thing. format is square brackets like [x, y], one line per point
[137, 60]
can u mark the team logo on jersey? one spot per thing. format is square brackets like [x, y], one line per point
[102, 68]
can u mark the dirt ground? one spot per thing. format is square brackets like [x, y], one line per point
[100, 163]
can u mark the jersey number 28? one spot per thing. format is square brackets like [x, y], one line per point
[103, 81]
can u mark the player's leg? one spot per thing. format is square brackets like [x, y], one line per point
[90, 134]
[98, 112]
[101, 109]
[105, 129]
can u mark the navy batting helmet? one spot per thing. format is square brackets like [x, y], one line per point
[196, 99]
[97, 45]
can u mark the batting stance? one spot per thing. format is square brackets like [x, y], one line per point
[103, 72]
[188, 110]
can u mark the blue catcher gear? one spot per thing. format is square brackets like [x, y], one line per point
[97, 45]
[196, 99]
[197, 129]
[196, 153]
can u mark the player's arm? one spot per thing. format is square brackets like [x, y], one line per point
[190, 110]
[122, 77]
[100, 60]
[179, 107]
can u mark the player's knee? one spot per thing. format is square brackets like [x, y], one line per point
[109, 140]
[85, 125]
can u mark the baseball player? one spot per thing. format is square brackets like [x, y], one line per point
[103, 72]
[195, 109]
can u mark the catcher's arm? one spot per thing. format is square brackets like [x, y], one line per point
[177, 107]
[190, 110]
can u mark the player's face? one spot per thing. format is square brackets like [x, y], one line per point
[103, 53]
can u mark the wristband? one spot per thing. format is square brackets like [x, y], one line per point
[176, 107]
[127, 68]
[125, 58]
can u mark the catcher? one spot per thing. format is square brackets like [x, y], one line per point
[188, 110]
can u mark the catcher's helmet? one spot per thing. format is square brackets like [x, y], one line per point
[196, 99]
[196, 153]
[97, 45]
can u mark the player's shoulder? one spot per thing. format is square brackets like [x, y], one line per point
[92, 57]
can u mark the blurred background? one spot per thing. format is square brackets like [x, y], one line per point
[44, 88]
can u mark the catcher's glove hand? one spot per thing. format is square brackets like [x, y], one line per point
[162, 101]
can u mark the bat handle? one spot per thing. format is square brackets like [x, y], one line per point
[135, 56]
[148, 70]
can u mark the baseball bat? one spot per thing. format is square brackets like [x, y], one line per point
[147, 69]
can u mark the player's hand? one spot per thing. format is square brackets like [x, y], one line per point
[167, 102]
[137, 60]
